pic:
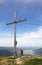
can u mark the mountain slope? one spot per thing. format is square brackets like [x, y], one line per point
[5, 52]
[38, 52]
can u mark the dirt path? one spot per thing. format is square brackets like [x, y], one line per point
[19, 61]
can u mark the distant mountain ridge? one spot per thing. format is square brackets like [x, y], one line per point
[38, 52]
[9, 51]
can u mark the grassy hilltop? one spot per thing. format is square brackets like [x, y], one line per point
[23, 60]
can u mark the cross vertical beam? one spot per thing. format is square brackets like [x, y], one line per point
[14, 39]
[15, 34]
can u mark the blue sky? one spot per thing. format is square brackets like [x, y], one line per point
[27, 34]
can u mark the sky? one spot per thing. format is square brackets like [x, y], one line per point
[28, 33]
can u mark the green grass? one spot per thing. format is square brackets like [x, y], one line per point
[33, 62]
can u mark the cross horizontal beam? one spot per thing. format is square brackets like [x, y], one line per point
[17, 21]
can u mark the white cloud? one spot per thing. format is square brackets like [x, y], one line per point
[2, 1]
[19, 1]
[6, 39]
[28, 1]
[6, 42]
[5, 1]
[31, 39]
[25, 39]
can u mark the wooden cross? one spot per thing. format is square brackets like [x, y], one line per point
[15, 22]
